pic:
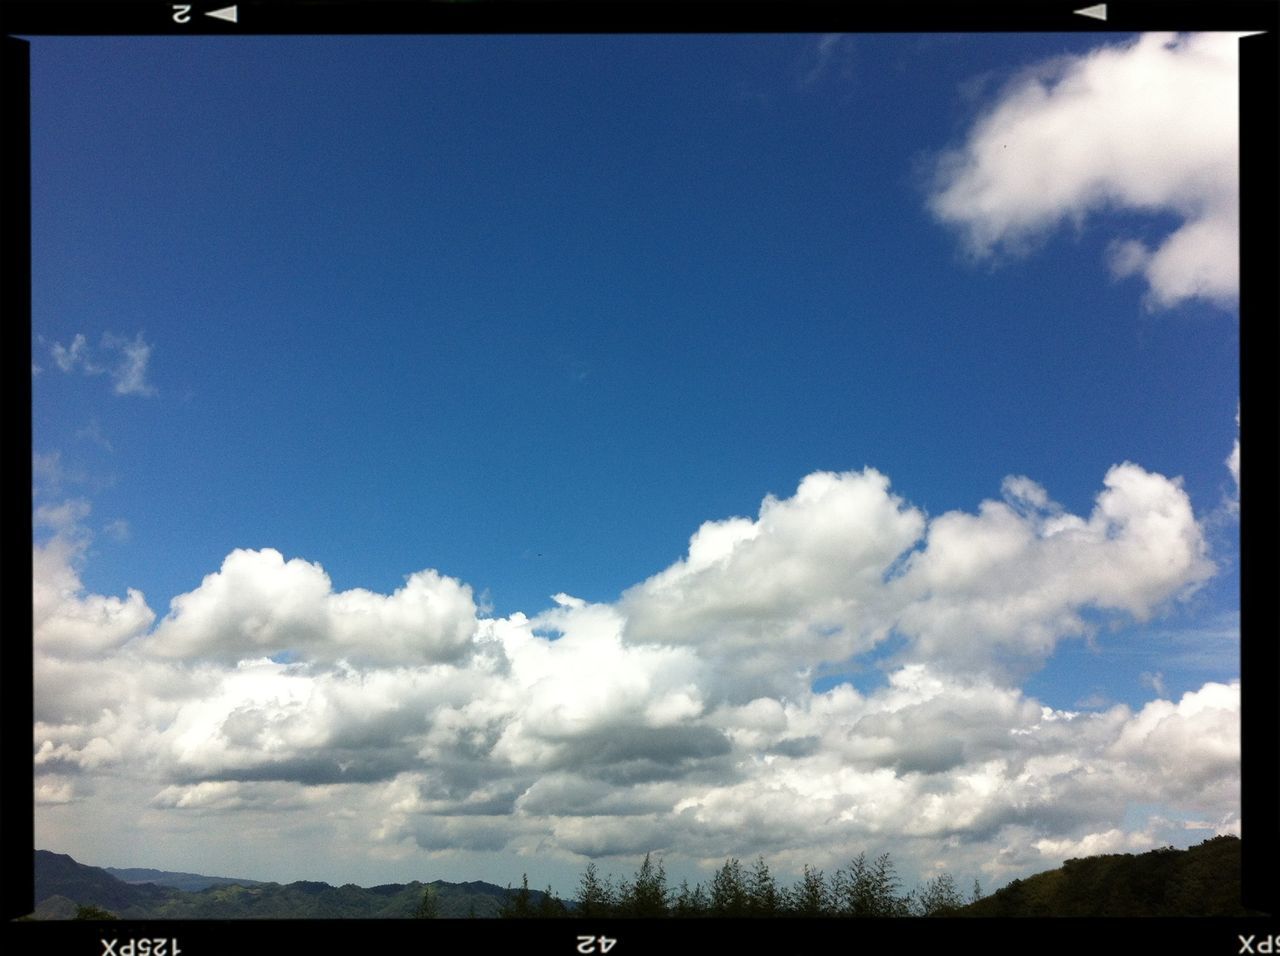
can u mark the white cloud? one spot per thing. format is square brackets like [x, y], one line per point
[63, 518]
[767, 599]
[1095, 844]
[1149, 125]
[1002, 582]
[831, 572]
[1233, 460]
[68, 622]
[261, 604]
[403, 720]
[75, 355]
[128, 370]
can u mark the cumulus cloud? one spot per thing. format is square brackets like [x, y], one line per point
[834, 570]
[1149, 125]
[261, 604]
[612, 729]
[68, 622]
[801, 584]
[1015, 577]
[125, 360]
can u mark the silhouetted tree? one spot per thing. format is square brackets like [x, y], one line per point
[938, 897]
[594, 895]
[728, 890]
[763, 898]
[646, 895]
[517, 905]
[869, 889]
[683, 904]
[977, 892]
[811, 896]
[549, 907]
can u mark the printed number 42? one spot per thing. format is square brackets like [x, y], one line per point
[587, 944]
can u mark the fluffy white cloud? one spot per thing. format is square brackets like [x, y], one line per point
[261, 604]
[834, 570]
[68, 622]
[1149, 125]
[1014, 577]
[402, 720]
[801, 584]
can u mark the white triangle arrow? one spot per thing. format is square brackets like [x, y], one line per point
[1098, 11]
[226, 13]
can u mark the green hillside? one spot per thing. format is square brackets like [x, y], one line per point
[1201, 881]
[62, 884]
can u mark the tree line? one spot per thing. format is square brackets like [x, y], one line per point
[861, 888]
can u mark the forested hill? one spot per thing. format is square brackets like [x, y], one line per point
[62, 885]
[1201, 881]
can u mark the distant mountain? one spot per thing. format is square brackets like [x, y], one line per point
[1201, 881]
[62, 884]
[59, 875]
[191, 882]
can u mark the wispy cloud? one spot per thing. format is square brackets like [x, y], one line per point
[93, 432]
[125, 360]
[1233, 462]
[831, 56]
[130, 373]
[76, 355]
[1149, 126]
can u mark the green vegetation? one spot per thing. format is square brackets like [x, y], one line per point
[1201, 881]
[428, 908]
[93, 912]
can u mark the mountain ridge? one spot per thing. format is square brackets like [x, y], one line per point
[62, 883]
[1203, 880]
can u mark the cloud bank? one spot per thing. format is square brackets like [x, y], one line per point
[679, 718]
[1149, 126]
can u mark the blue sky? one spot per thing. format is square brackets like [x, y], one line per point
[528, 311]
